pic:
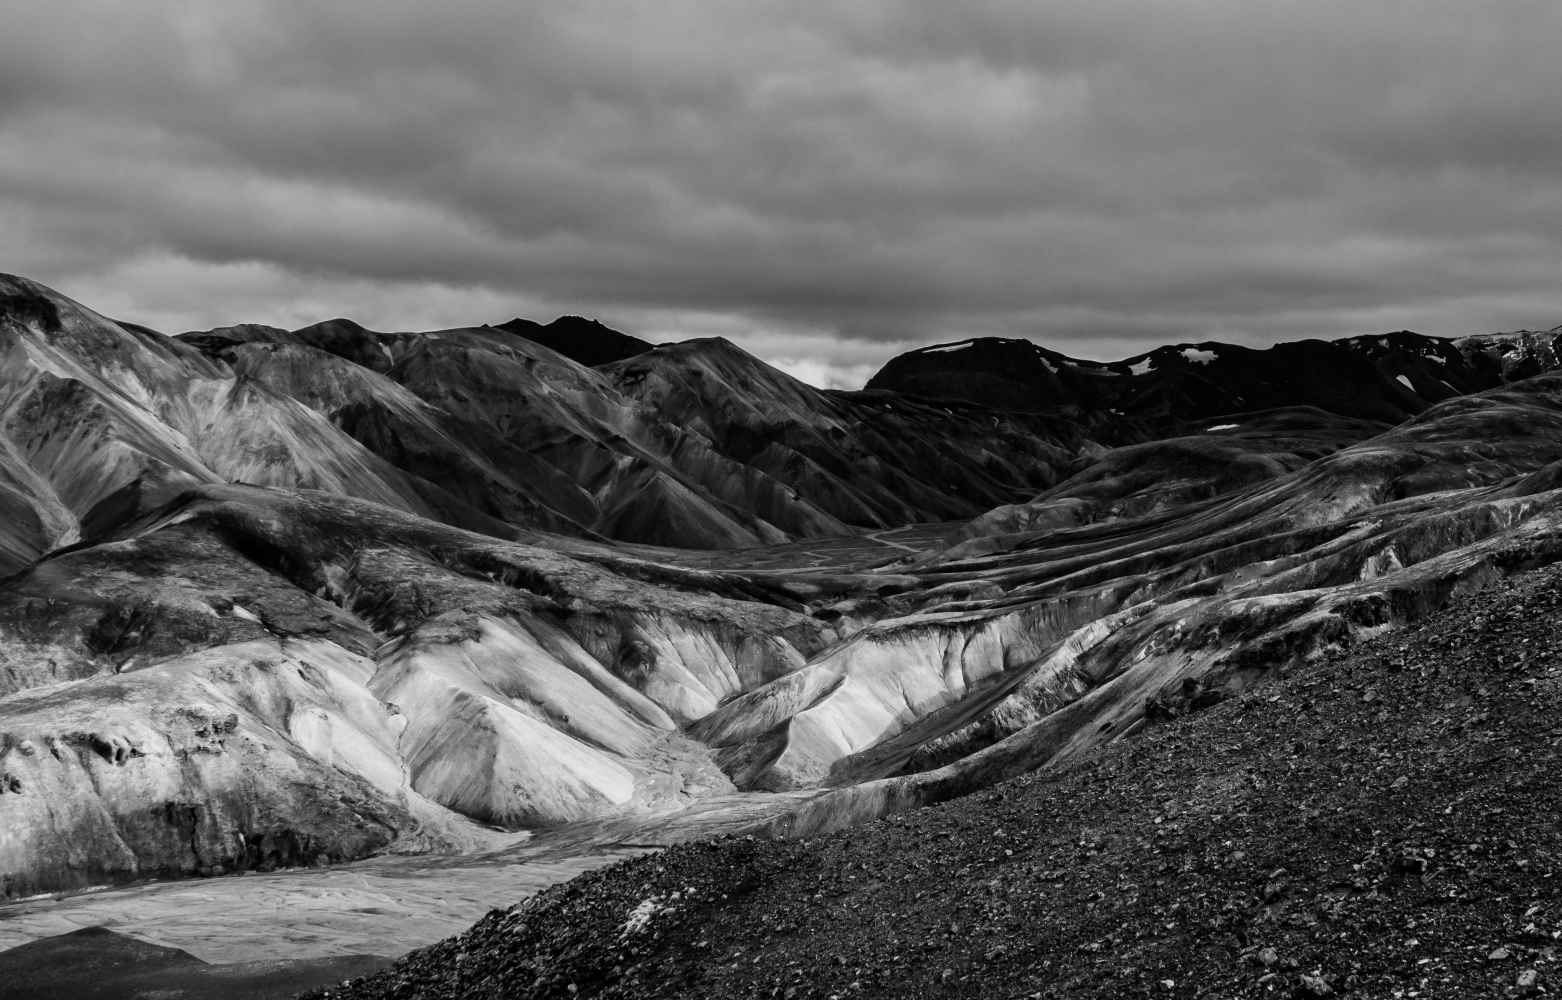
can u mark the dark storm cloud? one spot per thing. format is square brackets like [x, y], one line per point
[817, 179]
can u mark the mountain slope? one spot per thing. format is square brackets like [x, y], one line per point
[417, 624]
[1374, 824]
[536, 439]
[1385, 378]
[102, 422]
[872, 461]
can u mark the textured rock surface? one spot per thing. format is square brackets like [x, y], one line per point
[1374, 824]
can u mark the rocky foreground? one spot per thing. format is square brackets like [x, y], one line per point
[1379, 822]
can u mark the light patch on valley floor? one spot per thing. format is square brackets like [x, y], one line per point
[380, 906]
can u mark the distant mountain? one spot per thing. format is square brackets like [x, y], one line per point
[867, 459]
[1386, 378]
[533, 438]
[482, 429]
[579, 339]
[1519, 355]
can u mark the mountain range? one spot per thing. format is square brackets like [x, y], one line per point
[280, 598]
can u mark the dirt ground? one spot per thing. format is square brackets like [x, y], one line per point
[1380, 823]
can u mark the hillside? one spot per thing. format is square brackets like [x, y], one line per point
[1380, 822]
[1386, 378]
[296, 599]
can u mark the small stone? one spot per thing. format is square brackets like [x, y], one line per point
[1526, 979]
[1268, 957]
[1498, 955]
[1168, 984]
[1400, 782]
[946, 975]
[1314, 986]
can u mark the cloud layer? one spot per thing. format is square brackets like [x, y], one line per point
[826, 183]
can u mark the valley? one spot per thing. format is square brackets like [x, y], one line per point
[361, 634]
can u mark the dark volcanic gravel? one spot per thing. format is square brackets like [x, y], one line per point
[1383, 823]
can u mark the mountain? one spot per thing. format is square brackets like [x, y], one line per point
[1280, 844]
[1387, 378]
[580, 339]
[294, 598]
[537, 440]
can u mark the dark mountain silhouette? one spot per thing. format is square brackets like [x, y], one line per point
[1387, 378]
[580, 339]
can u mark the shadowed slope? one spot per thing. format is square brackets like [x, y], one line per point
[874, 460]
[1386, 378]
[502, 480]
[693, 445]
[1223, 455]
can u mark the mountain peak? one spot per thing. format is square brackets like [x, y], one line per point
[583, 340]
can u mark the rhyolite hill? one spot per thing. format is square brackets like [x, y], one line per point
[1380, 822]
[273, 598]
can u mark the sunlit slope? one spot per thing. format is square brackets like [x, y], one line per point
[102, 421]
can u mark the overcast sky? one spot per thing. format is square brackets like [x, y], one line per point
[827, 183]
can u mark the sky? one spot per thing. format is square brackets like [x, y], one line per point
[826, 184]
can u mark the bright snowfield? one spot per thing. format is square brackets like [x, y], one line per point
[415, 624]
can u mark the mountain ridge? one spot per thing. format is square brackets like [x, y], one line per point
[1388, 377]
[296, 598]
